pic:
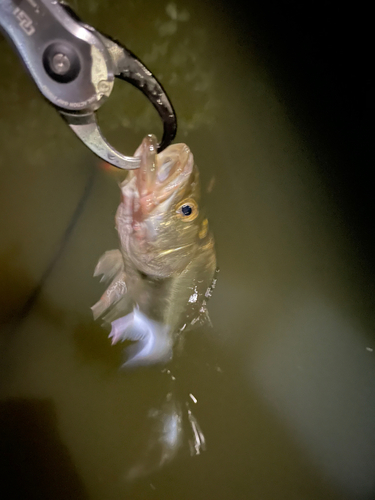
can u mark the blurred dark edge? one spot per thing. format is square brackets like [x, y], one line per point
[34, 463]
[320, 55]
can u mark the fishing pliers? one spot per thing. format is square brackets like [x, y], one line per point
[75, 66]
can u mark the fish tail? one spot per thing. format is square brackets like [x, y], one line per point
[153, 343]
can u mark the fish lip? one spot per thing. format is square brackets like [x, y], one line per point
[160, 175]
[146, 174]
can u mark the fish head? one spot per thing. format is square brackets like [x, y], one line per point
[159, 220]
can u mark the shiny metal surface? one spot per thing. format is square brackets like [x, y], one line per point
[52, 24]
[74, 67]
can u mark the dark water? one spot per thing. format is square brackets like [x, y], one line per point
[285, 379]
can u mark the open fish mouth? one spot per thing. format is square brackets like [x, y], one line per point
[146, 174]
[160, 175]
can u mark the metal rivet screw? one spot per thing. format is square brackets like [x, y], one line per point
[60, 64]
[104, 86]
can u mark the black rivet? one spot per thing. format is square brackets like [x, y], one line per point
[61, 62]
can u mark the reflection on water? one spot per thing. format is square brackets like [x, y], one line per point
[164, 442]
[284, 380]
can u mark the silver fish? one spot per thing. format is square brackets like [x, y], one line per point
[164, 272]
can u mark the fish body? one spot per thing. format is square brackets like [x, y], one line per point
[164, 272]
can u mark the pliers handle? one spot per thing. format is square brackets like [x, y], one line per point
[75, 66]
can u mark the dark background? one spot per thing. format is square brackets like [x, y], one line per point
[321, 56]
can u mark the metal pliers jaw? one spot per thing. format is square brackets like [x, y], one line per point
[75, 66]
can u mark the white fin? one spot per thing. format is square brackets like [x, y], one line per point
[111, 266]
[153, 342]
[112, 295]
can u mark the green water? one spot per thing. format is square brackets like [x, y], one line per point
[284, 380]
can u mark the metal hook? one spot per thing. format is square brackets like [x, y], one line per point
[127, 67]
[132, 70]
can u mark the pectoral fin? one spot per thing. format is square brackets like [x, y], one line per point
[111, 296]
[153, 342]
[110, 264]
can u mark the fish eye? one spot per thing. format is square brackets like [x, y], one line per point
[187, 210]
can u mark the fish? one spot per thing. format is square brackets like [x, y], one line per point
[164, 271]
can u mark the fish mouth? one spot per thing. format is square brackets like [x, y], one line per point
[161, 175]
[146, 174]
